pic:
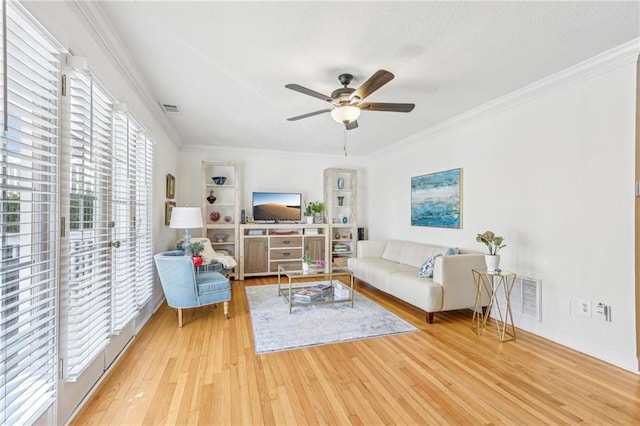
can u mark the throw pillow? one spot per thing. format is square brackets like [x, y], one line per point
[452, 251]
[426, 269]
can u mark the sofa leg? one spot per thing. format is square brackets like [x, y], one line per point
[179, 318]
[226, 310]
[430, 317]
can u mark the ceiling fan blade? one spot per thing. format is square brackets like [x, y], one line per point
[376, 106]
[310, 92]
[309, 114]
[352, 125]
[376, 81]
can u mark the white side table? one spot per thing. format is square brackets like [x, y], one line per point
[492, 282]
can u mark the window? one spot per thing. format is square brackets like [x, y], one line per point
[12, 210]
[58, 150]
[133, 260]
[29, 151]
[87, 289]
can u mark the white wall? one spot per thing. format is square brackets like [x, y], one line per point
[270, 171]
[555, 177]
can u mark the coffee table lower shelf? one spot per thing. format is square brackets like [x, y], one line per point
[288, 291]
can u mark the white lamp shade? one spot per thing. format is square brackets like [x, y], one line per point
[345, 114]
[186, 217]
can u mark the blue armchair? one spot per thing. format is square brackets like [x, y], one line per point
[184, 289]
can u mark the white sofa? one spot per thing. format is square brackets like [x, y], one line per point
[392, 266]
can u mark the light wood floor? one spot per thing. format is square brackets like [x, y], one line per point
[207, 373]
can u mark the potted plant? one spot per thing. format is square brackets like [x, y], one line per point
[317, 208]
[306, 263]
[494, 244]
[308, 213]
[196, 249]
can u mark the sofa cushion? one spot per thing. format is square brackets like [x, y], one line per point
[420, 292]
[378, 272]
[394, 251]
[416, 253]
[211, 282]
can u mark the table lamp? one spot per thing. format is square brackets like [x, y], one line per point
[187, 218]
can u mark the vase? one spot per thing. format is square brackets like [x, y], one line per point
[340, 201]
[305, 267]
[340, 183]
[309, 220]
[317, 218]
[492, 261]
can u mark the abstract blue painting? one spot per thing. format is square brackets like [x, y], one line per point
[436, 199]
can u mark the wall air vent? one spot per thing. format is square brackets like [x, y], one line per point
[525, 298]
[170, 109]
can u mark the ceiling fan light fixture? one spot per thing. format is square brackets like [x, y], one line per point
[345, 114]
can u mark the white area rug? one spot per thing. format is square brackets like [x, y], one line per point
[274, 329]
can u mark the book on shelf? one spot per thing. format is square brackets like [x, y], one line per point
[307, 295]
[324, 288]
[311, 231]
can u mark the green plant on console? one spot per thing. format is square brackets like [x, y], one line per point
[316, 207]
[307, 209]
[493, 242]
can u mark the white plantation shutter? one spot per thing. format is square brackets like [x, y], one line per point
[144, 240]
[88, 291]
[133, 267]
[29, 233]
[125, 256]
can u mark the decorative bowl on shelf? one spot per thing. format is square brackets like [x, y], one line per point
[220, 238]
[228, 219]
[219, 180]
[214, 216]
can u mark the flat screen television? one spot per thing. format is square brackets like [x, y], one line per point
[277, 206]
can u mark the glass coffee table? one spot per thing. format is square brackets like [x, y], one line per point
[333, 292]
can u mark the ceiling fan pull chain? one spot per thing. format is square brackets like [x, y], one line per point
[344, 147]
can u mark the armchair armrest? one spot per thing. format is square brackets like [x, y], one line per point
[370, 248]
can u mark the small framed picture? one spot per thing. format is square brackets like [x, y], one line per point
[168, 206]
[171, 186]
[345, 235]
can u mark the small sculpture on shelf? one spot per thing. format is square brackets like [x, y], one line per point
[340, 201]
[340, 182]
[211, 198]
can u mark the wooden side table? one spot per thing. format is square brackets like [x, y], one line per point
[492, 282]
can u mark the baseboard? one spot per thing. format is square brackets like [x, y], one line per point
[624, 361]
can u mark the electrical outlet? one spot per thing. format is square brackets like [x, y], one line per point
[584, 307]
[600, 311]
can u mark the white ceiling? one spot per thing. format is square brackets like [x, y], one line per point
[225, 64]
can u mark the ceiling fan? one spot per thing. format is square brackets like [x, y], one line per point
[348, 102]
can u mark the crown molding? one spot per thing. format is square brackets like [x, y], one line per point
[234, 150]
[93, 16]
[603, 63]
